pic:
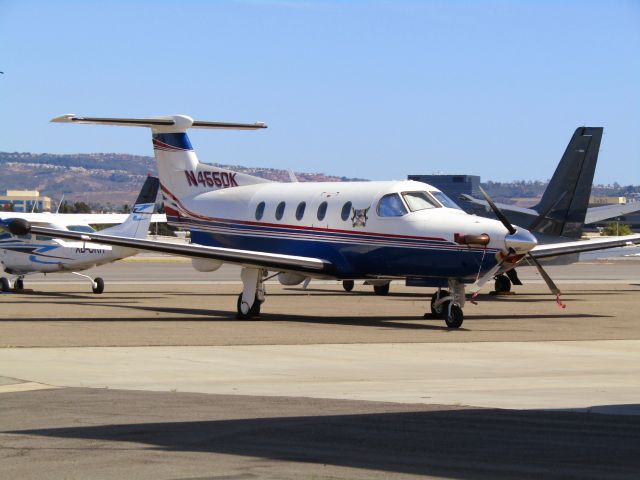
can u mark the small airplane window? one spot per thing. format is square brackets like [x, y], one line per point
[444, 200]
[80, 228]
[391, 206]
[280, 211]
[260, 211]
[346, 211]
[322, 210]
[300, 210]
[419, 201]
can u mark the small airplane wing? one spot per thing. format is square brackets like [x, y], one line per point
[248, 258]
[578, 246]
[107, 218]
[67, 219]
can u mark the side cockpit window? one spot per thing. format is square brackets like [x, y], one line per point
[391, 206]
[444, 200]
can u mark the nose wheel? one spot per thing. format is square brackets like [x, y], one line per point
[447, 304]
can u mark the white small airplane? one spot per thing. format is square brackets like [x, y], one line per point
[375, 231]
[32, 253]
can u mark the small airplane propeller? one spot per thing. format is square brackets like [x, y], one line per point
[543, 273]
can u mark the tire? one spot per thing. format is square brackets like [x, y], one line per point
[348, 285]
[382, 289]
[503, 284]
[439, 312]
[5, 286]
[454, 317]
[99, 286]
[253, 311]
[19, 285]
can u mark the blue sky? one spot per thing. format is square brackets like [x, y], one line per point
[369, 89]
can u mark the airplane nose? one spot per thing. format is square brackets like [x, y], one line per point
[521, 241]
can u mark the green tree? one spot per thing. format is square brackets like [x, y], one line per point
[616, 228]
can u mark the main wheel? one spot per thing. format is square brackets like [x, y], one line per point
[454, 316]
[98, 288]
[244, 311]
[381, 289]
[5, 286]
[503, 284]
[19, 285]
[347, 285]
[440, 310]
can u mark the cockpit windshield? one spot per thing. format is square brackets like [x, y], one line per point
[419, 201]
[444, 200]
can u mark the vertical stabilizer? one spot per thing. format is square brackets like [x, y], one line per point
[137, 223]
[567, 196]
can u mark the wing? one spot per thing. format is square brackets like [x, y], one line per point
[248, 258]
[598, 214]
[565, 248]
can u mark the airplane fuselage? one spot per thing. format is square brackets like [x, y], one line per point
[34, 254]
[344, 223]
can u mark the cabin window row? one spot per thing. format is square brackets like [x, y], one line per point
[300, 210]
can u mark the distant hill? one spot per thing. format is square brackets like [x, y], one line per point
[104, 177]
[115, 178]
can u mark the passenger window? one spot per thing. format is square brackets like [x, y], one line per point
[280, 211]
[322, 210]
[300, 210]
[346, 211]
[391, 206]
[260, 211]
[419, 201]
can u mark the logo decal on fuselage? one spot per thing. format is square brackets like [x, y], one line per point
[359, 217]
[210, 179]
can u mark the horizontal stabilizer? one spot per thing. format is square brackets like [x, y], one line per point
[179, 121]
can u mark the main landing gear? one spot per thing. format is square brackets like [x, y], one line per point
[503, 284]
[253, 293]
[447, 304]
[97, 284]
[5, 284]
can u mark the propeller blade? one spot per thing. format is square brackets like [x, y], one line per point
[498, 212]
[552, 286]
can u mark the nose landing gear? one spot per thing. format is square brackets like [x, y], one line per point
[448, 304]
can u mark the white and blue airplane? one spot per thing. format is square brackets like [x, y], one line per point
[28, 254]
[375, 231]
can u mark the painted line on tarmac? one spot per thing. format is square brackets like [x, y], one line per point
[25, 387]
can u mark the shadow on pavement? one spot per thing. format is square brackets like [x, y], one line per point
[465, 443]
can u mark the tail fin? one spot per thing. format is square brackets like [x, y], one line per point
[137, 223]
[567, 196]
[181, 174]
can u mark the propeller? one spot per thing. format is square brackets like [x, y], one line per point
[498, 213]
[512, 230]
